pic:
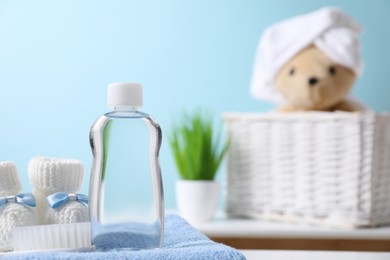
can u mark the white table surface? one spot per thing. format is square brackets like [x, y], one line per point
[260, 229]
[299, 255]
[312, 255]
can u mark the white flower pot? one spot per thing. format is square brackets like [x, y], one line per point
[197, 200]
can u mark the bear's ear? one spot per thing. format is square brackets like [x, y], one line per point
[332, 70]
[292, 71]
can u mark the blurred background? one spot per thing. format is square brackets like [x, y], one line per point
[57, 58]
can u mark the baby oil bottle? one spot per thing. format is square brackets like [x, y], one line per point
[126, 192]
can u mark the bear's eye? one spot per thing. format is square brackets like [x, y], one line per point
[292, 71]
[332, 70]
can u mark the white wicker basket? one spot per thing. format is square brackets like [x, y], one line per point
[323, 168]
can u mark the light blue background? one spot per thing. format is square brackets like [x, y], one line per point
[56, 58]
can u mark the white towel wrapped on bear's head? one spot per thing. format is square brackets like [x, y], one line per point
[330, 29]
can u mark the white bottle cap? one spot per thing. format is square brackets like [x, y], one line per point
[122, 94]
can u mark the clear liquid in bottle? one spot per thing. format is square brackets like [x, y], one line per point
[126, 193]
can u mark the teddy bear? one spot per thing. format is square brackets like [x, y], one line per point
[312, 81]
[309, 62]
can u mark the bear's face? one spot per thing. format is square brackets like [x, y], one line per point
[311, 81]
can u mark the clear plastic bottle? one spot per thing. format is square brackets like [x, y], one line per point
[126, 194]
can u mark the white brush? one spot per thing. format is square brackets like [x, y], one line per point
[52, 237]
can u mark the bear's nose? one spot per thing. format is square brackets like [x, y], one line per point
[313, 81]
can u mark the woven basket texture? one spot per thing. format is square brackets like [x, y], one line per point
[321, 168]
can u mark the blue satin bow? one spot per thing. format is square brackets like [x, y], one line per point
[57, 199]
[21, 198]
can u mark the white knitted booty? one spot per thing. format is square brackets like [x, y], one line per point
[69, 212]
[51, 175]
[12, 214]
[9, 179]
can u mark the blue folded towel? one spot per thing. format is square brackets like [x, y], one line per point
[181, 241]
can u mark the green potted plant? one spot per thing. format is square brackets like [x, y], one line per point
[198, 153]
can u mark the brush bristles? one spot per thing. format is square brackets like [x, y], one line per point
[44, 237]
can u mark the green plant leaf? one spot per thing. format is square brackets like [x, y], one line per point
[196, 151]
[106, 138]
